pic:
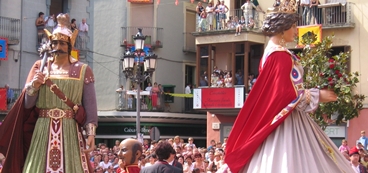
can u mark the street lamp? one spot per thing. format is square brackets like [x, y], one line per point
[138, 58]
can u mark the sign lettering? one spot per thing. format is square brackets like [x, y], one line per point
[218, 98]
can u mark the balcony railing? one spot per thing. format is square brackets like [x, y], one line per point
[253, 22]
[127, 101]
[154, 37]
[189, 43]
[10, 29]
[330, 15]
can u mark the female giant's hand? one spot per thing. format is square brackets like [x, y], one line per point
[326, 96]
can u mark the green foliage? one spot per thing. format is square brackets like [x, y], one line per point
[324, 71]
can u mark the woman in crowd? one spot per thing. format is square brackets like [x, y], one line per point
[275, 113]
[220, 81]
[199, 10]
[181, 159]
[148, 100]
[154, 93]
[228, 80]
[210, 13]
[222, 9]
[217, 14]
[188, 166]
[105, 163]
[199, 163]
[73, 25]
[177, 142]
[344, 146]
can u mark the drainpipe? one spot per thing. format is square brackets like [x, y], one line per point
[21, 42]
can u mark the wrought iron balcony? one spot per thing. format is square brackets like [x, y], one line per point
[219, 27]
[329, 15]
[153, 40]
[10, 29]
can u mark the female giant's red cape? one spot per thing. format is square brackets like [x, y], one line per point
[273, 91]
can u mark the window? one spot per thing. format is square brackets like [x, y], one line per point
[168, 89]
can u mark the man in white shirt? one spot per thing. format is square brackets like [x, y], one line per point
[188, 101]
[50, 23]
[187, 89]
[82, 34]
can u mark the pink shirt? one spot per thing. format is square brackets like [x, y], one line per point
[343, 148]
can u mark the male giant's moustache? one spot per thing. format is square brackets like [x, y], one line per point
[58, 51]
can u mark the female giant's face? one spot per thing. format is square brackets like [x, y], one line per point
[290, 34]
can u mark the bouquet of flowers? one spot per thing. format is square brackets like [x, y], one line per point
[326, 71]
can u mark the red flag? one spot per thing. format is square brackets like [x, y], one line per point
[3, 105]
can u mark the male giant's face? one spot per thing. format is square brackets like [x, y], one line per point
[130, 151]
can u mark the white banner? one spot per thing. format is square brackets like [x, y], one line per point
[239, 97]
[197, 98]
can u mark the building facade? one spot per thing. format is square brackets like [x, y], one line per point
[111, 27]
[223, 49]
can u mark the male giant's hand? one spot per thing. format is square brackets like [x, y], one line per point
[90, 143]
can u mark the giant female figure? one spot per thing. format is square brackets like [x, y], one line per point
[273, 132]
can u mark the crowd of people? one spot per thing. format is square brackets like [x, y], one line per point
[50, 23]
[153, 101]
[216, 16]
[186, 156]
[223, 78]
[357, 155]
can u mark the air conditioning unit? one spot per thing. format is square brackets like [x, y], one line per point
[215, 126]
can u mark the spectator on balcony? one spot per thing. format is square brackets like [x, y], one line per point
[50, 22]
[239, 78]
[199, 10]
[9, 94]
[250, 24]
[228, 80]
[217, 14]
[40, 25]
[73, 25]
[148, 100]
[202, 26]
[222, 9]
[188, 101]
[221, 81]
[251, 81]
[315, 15]
[234, 23]
[210, 13]
[82, 35]
[214, 78]
[154, 95]
[306, 17]
[240, 26]
[202, 81]
[247, 10]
